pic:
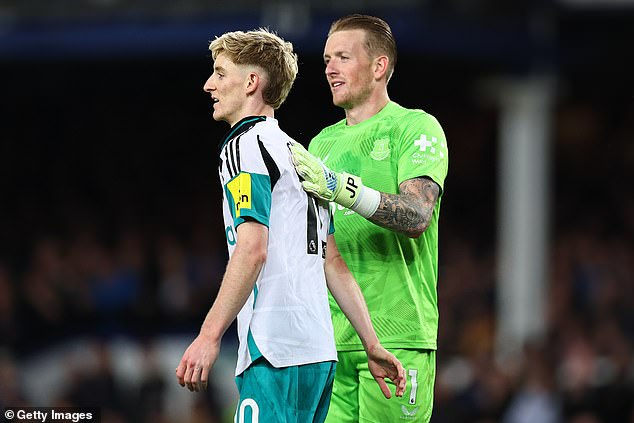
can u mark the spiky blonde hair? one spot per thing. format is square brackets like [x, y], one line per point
[266, 50]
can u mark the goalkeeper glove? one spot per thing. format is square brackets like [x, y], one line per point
[342, 188]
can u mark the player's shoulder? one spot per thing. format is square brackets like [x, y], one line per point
[405, 114]
[262, 131]
[330, 129]
[272, 138]
[407, 119]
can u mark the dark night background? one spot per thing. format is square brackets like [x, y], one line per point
[111, 241]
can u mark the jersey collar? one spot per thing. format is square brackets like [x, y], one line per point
[241, 127]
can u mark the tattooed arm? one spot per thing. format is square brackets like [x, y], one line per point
[410, 211]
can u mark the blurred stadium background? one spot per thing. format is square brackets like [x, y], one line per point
[111, 241]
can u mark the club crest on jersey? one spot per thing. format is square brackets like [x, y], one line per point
[240, 189]
[381, 149]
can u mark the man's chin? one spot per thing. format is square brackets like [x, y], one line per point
[340, 103]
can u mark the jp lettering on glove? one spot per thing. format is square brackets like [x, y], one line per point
[342, 188]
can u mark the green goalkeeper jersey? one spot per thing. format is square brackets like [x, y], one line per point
[397, 274]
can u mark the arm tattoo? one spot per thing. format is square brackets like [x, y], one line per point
[410, 211]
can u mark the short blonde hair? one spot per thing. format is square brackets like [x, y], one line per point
[266, 50]
[379, 38]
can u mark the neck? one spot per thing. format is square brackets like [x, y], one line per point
[260, 109]
[367, 109]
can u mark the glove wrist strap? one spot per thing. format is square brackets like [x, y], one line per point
[351, 193]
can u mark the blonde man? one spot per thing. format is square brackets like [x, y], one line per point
[283, 258]
[387, 211]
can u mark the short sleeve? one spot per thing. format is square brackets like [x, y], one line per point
[249, 192]
[423, 150]
[249, 196]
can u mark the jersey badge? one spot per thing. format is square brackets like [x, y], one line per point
[240, 189]
[381, 149]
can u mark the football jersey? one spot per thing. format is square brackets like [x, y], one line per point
[286, 318]
[397, 274]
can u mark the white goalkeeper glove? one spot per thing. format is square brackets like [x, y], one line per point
[342, 188]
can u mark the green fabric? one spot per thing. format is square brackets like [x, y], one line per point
[397, 274]
[294, 394]
[356, 396]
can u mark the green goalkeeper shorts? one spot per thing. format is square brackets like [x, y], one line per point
[356, 396]
[294, 394]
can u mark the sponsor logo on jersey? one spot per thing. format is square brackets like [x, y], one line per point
[430, 146]
[429, 149]
[240, 189]
[408, 414]
[381, 149]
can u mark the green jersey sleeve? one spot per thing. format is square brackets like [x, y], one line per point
[423, 149]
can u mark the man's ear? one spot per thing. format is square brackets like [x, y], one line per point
[381, 65]
[252, 82]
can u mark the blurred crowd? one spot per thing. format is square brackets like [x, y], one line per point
[581, 371]
[84, 287]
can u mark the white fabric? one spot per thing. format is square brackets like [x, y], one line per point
[290, 321]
